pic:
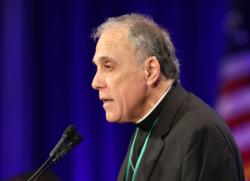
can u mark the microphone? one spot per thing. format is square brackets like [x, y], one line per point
[67, 134]
[69, 140]
[75, 140]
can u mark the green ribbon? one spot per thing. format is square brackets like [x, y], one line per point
[141, 153]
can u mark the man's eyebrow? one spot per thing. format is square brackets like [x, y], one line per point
[102, 59]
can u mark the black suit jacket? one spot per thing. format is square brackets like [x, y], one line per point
[189, 143]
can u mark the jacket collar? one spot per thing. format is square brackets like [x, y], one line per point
[146, 124]
[172, 108]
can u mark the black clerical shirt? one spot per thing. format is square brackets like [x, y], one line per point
[144, 128]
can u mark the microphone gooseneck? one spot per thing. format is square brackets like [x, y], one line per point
[69, 140]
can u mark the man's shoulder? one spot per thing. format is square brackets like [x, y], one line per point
[197, 121]
[195, 116]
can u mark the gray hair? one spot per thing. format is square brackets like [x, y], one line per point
[149, 39]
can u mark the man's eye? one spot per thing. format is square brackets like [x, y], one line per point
[107, 66]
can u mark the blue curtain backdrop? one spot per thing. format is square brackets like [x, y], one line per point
[46, 73]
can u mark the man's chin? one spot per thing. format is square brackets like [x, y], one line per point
[112, 119]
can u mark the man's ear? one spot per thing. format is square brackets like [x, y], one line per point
[152, 70]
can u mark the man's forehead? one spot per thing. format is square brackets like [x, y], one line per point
[105, 51]
[114, 45]
[113, 39]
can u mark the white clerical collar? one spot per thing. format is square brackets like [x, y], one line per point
[151, 110]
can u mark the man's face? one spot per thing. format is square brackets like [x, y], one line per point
[120, 79]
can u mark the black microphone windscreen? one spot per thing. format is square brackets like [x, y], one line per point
[76, 139]
[70, 131]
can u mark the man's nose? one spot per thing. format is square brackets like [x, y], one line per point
[97, 81]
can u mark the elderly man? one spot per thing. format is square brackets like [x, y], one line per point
[178, 136]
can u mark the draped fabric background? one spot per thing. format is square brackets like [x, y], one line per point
[46, 73]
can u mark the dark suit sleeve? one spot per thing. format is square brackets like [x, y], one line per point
[208, 156]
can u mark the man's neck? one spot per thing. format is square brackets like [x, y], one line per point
[156, 101]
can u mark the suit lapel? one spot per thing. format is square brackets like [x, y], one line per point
[171, 111]
[122, 173]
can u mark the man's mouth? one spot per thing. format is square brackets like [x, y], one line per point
[106, 101]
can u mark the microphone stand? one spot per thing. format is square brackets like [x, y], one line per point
[68, 141]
